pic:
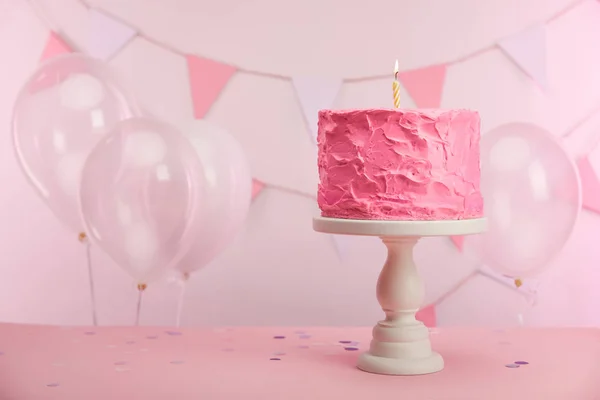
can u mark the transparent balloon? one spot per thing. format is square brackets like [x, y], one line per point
[227, 196]
[141, 194]
[61, 113]
[532, 195]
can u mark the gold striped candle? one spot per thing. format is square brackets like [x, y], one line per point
[396, 87]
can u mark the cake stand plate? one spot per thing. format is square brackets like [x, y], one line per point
[400, 344]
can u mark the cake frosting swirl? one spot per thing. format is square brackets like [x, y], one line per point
[395, 164]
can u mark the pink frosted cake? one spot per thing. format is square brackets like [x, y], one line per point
[395, 164]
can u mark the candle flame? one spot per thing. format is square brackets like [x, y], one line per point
[396, 70]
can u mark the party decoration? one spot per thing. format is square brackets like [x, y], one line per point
[61, 113]
[106, 35]
[141, 197]
[227, 195]
[458, 241]
[55, 46]
[396, 87]
[427, 316]
[207, 80]
[257, 188]
[590, 185]
[527, 49]
[533, 198]
[425, 85]
[314, 94]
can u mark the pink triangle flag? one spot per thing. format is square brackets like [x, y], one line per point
[527, 49]
[458, 242]
[425, 85]
[590, 185]
[314, 94]
[427, 316]
[106, 35]
[207, 80]
[257, 187]
[55, 46]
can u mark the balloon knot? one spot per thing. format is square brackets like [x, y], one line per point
[82, 237]
[518, 283]
[142, 286]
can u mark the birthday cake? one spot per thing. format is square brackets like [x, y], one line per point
[397, 164]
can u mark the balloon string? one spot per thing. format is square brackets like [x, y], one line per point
[88, 254]
[138, 311]
[180, 302]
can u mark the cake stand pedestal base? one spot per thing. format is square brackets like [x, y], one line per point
[400, 344]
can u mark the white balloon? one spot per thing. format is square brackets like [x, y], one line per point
[228, 191]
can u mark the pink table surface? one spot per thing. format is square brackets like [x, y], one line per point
[40, 362]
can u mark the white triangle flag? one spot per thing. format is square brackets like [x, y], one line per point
[528, 50]
[342, 245]
[314, 94]
[106, 35]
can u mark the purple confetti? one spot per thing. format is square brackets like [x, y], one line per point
[521, 362]
[54, 384]
[89, 333]
[177, 362]
[350, 348]
[304, 336]
[512, 365]
[345, 341]
[173, 333]
[151, 337]
[278, 337]
[275, 359]
[121, 363]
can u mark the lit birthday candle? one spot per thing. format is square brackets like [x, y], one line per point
[396, 87]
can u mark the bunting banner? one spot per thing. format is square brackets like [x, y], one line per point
[427, 315]
[341, 244]
[106, 35]
[425, 85]
[257, 188]
[314, 94]
[590, 185]
[207, 80]
[55, 46]
[527, 49]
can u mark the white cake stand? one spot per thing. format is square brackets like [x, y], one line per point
[400, 344]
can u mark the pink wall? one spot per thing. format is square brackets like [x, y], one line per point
[279, 271]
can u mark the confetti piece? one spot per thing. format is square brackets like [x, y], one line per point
[177, 362]
[54, 384]
[278, 337]
[151, 337]
[304, 336]
[275, 359]
[345, 341]
[512, 365]
[89, 333]
[521, 362]
[350, 348]
[1, 353]
[173, 333]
